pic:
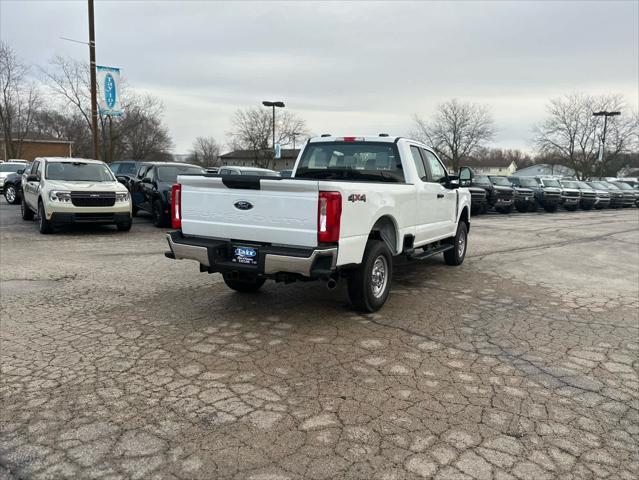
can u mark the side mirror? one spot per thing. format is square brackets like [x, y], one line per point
[452, 182]
[123, 180]
[146, 180]
[465, 176]
[20, 172]
[32, 178]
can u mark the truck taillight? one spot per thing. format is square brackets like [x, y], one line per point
[329, 215]
[176, 205]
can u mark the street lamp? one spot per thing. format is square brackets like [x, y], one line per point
[604, 114]
[273, 104]
[295, 135]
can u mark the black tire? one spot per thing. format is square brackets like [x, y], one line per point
[124, 226]
[44, 225]
[27, 213]
[485, 207]
[571, 208]
[244, 285]
[157, 212]
[586, 207]
[532, 207]
[134, 210]
[522, 208]
[455, 256]
[550, 208]
[505, 210]
[11, 195]
[364, 289]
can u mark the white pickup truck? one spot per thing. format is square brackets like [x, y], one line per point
[352, 204]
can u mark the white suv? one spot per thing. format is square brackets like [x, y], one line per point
[74, 190]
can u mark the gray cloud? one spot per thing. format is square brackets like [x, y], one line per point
[347, 67]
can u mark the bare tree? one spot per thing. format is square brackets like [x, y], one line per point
[19, 103]
[138, 134]
[572, 135]
[205, 151]
[456, 130]
[253, 130]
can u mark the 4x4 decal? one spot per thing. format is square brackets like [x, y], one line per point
[357, 197]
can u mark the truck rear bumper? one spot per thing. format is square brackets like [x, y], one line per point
[217, 256]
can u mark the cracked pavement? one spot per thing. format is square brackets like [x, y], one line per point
[520, 364]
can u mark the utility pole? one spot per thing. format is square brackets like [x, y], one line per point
[602, 146]
[94, 86]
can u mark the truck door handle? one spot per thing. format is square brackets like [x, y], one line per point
[440, 195]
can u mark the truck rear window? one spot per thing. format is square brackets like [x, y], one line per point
[353, 161]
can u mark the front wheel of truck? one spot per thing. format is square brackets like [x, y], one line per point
[244, 285]
[369, 285]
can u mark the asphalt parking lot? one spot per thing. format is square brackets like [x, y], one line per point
[522, 363]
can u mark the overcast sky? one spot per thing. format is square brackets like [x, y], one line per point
[345, 67]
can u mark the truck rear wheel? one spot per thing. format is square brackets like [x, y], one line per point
[369, 285]
[244, 285]
[455, 256]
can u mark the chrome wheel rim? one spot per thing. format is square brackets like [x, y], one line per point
[11, 194]
[379, 276]
[461, 245]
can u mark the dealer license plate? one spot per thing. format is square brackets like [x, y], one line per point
[245, 255]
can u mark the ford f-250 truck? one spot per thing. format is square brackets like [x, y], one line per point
[352, 204]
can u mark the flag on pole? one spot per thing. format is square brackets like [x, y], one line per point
[109, 91]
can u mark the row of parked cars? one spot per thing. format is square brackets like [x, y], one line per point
[527, 194]
[73, 182]
[53, 188]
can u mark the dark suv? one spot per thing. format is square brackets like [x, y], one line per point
[547, 190]
[524, 198]
[629, 193]
[570, 194]
[151, 188]
[499, 197]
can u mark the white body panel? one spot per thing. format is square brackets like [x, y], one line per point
[285, 211]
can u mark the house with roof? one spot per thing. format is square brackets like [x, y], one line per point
[545, 169]
[489, 166]
[260, 158]
[38, 146]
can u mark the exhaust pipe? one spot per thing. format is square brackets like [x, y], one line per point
[331, 283]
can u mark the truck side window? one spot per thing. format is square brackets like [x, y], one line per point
[419, 163]
[437, 171]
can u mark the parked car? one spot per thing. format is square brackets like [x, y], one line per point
[151, 188]
[630, 195]
[74, 190]
[526, 184]
[589, 197]
[499, 197]
[12, 186]
[286, 173]
[547, 191]
[213, 170]
[616, 195]
[478, 200]
[7, 168]
[263, 172]
[126, 170]
[355, 203]
[524, 198]
[570, 194]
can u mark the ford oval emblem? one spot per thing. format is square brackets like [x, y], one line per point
[243, 205]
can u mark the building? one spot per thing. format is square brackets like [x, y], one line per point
[544, 169]
[39, 146]
[247, 158]
[496, 166]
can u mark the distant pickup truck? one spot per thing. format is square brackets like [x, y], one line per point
[352, 204]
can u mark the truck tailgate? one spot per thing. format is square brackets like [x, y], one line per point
[279, 212]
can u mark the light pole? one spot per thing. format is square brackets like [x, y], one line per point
[273, 104]
[295, 135]
[602, 147]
